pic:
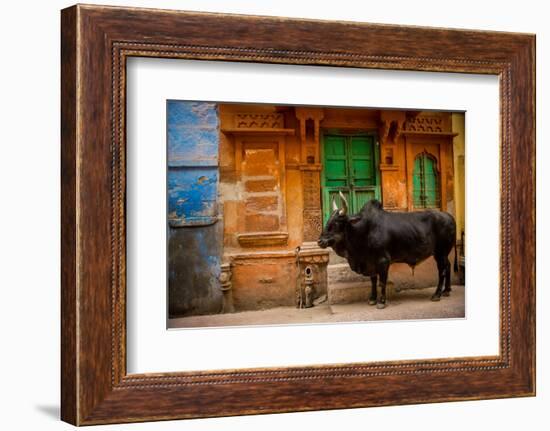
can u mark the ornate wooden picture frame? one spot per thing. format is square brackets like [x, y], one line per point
[96, 42]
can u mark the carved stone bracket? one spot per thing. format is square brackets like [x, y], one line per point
[390, 130]
[391, 126]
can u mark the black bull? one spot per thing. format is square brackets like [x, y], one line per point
[373, 239]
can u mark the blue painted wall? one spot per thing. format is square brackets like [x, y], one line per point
[195, 234]
[193, 142]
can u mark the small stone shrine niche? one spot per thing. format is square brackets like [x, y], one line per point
[311, 286]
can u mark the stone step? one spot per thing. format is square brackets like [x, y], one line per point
[342, 273]
[333, 258]
[347, 293]
[359, 291]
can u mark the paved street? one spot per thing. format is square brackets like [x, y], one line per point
[407, 304]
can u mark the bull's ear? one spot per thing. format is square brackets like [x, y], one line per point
[354, 219]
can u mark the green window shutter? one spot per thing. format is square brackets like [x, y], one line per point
[425, 182]
[431, 188]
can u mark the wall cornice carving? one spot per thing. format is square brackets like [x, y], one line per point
[427, 124]
[254, 120]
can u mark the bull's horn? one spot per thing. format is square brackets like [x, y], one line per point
[334, 206]
[344, 209]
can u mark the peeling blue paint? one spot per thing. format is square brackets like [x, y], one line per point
[193, 140]
[192, 196]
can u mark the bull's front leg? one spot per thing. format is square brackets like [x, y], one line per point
[382, 269]
[373, 289]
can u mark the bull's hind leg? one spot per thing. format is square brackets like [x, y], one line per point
[441, 271]
[382, 269]
[447, 290]
[373, 289]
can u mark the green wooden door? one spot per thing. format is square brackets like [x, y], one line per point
[350, 166]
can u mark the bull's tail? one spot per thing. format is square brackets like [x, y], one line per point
[456, 260]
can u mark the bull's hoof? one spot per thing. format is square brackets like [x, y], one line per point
[380, 305]
[372, 301]
[436, 297]
[446, 293]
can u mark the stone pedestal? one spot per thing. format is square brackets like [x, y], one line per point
[226, 287]
[312, 263]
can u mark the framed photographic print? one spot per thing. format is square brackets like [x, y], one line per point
[268, 215]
